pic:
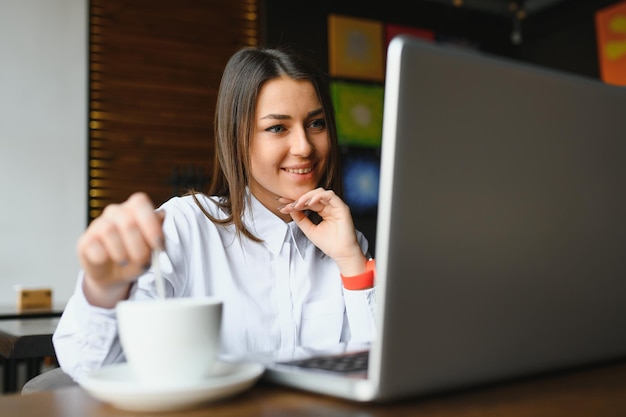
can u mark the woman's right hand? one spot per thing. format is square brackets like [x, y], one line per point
[116, 248]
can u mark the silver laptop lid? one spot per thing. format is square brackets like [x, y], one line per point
[501, 233]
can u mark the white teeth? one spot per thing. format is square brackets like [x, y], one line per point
[299, 170]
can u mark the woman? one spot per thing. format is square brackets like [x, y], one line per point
[272, 237]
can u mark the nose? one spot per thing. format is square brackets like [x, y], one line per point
[300, 143]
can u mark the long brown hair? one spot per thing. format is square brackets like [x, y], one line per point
[244, 75]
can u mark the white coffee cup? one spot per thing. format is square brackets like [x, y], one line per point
[174, 341]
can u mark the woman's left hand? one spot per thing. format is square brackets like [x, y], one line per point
[335, 234]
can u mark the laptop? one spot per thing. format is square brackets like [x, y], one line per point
[501, 229]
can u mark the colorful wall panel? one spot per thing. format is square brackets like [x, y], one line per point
[611, 37]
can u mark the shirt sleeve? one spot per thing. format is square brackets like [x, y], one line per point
[360, 311]
[86, 336]
[361, 307]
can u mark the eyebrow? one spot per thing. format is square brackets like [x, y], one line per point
[286, 117]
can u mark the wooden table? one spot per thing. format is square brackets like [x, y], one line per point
[593, 392]
[25, 339]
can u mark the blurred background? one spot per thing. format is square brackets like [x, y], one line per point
[101, 98]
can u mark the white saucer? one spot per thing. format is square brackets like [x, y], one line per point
[116, 385]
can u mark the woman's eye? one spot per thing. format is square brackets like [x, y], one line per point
[276, 129]
[318, 124]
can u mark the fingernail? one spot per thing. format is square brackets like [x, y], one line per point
[123, 263]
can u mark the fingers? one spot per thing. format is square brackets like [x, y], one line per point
[147, 221]
[124, 234]
[317, 200]
[335, 234]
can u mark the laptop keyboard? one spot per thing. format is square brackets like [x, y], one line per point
[346, 363]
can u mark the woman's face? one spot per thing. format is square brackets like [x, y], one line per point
[289, 144]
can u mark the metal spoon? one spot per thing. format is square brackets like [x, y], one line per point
[160, 282]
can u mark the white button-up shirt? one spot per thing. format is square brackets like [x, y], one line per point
[279, 295]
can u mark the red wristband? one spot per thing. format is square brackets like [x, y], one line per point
[361, 281]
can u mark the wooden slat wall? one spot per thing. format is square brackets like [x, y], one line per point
[154, 70]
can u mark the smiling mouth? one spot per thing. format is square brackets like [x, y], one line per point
[299, 170]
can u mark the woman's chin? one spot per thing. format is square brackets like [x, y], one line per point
[297, 192]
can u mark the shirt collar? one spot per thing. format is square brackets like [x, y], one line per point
[271, 229]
